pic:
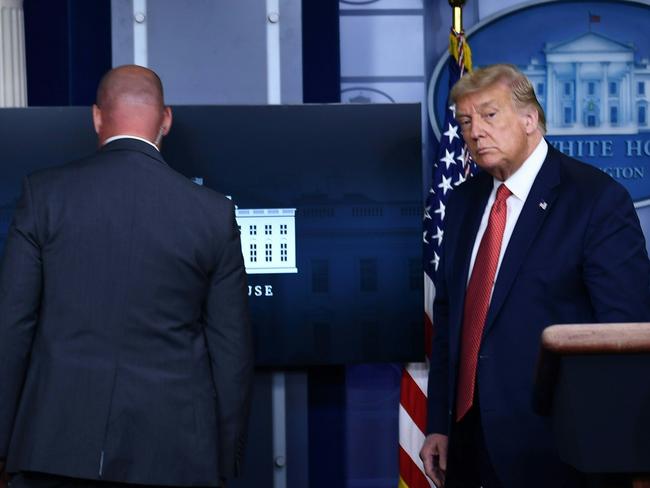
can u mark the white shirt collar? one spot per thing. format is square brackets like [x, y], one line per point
[521, 181]
[127, 136]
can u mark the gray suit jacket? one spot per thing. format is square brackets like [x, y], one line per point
[125, 343]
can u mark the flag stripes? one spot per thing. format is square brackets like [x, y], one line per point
[451, 167]
[412, 476]
[412, 394]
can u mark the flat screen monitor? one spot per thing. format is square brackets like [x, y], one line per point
[328, 201]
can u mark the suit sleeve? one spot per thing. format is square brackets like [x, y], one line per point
[437, 388]
[616, 267]
[20, 296]
[228, 333]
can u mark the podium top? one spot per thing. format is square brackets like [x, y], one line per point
[622, 338]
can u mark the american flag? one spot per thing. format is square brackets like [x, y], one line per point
[452, 166]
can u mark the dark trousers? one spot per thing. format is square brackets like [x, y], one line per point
[469, 465]
[468, 462]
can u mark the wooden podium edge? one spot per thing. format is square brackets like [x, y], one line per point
[615, 338]
[586, 339]
[582, 339]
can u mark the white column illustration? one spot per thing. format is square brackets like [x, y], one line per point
[604, 99]
[629, 103]
[550, 96]
[579, 117]
[13, 72]
[623, 100]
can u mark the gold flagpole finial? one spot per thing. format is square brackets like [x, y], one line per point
[457, 6]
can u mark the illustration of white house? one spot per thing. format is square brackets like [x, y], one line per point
[592, 84]
[268, 239]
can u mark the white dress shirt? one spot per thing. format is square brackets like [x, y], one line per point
[126, 136]
[519, 183]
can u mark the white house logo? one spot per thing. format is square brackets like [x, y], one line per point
[589, 63]
[268, 238]
[591, 84]
[588, 83]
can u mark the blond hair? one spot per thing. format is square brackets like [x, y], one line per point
[523, 93]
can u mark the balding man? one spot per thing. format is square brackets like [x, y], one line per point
[125, 345]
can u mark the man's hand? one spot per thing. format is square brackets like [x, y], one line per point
[434, 457]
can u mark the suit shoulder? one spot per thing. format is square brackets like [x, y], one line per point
[586, 178]
[210, 204]
[213, 197]
[588, 183]
[136, 169]
[49, 176]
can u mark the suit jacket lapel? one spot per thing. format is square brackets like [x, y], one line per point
[544, 190]
[471, 220]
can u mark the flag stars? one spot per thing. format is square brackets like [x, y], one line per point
[440, 211]
[448, 159]
[436, 260]
[438, 236]
[461, 179]
[424, 237]
[453, 109]
[445, 185]
[463, 156]
[427, 215]
[452, 133]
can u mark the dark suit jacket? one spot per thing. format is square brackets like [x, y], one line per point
[125, 346]
[582, 259]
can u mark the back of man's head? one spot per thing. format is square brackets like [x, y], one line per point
[130, 102]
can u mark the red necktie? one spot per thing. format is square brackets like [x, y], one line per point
[477, 301]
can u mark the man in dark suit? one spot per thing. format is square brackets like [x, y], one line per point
[125, 343]
[535, 239]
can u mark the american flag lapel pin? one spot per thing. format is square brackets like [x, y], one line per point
[543, 205]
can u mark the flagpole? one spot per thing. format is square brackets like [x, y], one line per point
[457, 15]
[451, 166]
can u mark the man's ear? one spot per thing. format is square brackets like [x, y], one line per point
[167, 121]
[97, 119]
[531, 120]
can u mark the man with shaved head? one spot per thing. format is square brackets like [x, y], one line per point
[130, 101]
[125, 343]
